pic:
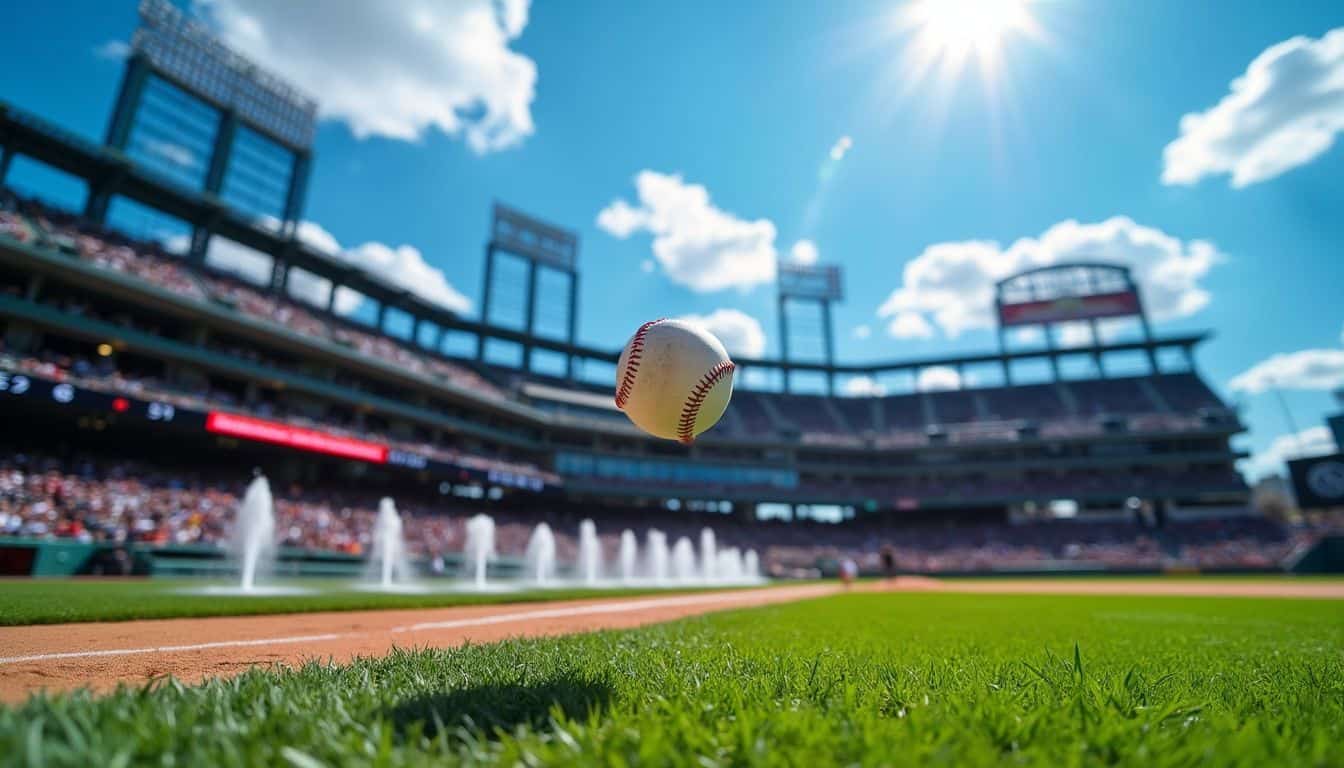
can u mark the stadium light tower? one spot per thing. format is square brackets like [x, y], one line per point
[819, 284]
[206, 118]
[1067, 293]
[540, 245]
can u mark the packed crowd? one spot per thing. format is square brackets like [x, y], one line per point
[31, 221]
[101, 374]
[1059, 545]
[129, 502]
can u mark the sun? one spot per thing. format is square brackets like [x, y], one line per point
[949, 33]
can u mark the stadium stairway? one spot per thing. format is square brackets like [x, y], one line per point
[837, 416]
[777, 420]
[1069, 399]
[1159, 402]
[926, 407]
[982, 411]
[732, 422]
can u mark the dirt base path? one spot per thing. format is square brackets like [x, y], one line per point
[101, 655]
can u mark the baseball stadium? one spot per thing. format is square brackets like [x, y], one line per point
[266, 500]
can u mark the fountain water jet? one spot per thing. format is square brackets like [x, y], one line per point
[751, 566]
[708, 553]
[657, 555]
[683, 560]
[629, 555]
[480, 547]
[590, 553]
[729, 566]
[389, 547]
[254, 532]
[252, 546]
[541, 554]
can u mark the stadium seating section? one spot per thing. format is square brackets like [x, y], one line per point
[92, 498]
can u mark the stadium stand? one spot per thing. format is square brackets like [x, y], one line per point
[86, 307]
[94, 500]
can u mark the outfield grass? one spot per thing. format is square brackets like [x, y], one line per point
[54, 601]
[862, 679]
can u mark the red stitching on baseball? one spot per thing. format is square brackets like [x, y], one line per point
[690, 411]
[632, 362]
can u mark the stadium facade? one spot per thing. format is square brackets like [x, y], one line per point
[109, 341]
[1161, 438]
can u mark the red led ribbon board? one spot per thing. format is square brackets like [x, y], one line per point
[247, 428]
[1063, 310]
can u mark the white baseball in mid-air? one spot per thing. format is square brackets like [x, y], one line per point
[674, 379]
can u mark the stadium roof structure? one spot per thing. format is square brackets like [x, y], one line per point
[22, 133]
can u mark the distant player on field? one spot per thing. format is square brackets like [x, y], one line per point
[888, 562]
[848, 570]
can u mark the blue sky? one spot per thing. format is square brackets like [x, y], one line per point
[721, 129]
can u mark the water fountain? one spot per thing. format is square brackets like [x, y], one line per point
[480, 548]
[540, 554]
[657, 555]
[683, 560]
[253, 540]
[389, 550]
[629, 555]
[252, 546]
[590, 553]
[751, 566]
[729, 566]
[708, 553]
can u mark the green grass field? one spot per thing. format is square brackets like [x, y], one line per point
[861, 679]
[55, 601]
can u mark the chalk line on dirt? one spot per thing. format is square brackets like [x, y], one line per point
[172, 648]
[479, 621]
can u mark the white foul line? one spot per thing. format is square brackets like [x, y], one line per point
[479, 621]
[580, 610]
[169, 648]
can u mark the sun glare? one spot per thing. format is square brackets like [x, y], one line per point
[950, 32]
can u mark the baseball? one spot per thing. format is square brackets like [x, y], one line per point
[674, 380]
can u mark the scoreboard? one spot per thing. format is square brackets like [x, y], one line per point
[63, 394]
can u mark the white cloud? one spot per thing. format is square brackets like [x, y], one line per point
[938, 377]
[952, 283]
[696, 244]
[863, 331]
[1283, 112]
[395, 68]
[402, 265]
[804, 252]
[252, 266]
[740, 333]
[909, 325]
[863, 386]
[841, 148]
[1308, 369]
[620, 219]
[405, 266]
[1314, 441]
[112, 50]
